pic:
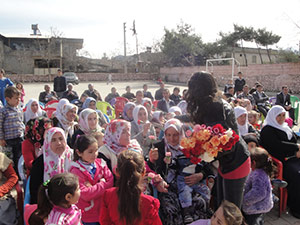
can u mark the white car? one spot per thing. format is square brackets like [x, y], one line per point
[71, 77]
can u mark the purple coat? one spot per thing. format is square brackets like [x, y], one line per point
[258, 193]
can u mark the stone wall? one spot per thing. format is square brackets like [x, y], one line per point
[272, 76]
[84, 77]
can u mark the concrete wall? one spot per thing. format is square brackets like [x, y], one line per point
[84, 77]
[272, 76]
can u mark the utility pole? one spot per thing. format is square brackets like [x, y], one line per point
[125, 61]
[137, 45]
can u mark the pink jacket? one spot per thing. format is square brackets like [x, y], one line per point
[90, 198]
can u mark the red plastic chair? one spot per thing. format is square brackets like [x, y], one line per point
[119, 105]
[50, 111]
[282, 192]
[51, 104]
[155, 104]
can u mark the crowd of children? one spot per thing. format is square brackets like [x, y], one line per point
[106, 162]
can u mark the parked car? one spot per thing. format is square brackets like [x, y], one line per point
[71, 77]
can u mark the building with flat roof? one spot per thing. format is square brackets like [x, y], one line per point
[37, 54]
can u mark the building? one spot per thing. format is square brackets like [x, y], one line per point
[37, 54]
[253, 55]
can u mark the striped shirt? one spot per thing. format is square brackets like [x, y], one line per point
[11, 123]
[63, 216]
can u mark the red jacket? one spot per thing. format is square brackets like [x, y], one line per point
[109, 214]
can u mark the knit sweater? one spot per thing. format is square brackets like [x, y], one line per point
[258, 193]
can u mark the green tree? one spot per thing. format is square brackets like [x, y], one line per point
[182, 45]
[266, 38]
[288, 55]
[229, 40]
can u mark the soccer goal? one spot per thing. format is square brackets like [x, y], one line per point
[233, 63]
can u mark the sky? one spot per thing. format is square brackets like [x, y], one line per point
[100, 23]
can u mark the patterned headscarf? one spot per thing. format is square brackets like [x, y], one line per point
[28, 114]
[84, 124]
[87, 102]
[127, 106]
[67, 125]
[177, 125]
[112, 136]
[35, 129]
[53, 163]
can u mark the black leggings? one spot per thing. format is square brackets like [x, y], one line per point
[230, 190]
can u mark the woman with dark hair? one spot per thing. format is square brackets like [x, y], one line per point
[207, 107]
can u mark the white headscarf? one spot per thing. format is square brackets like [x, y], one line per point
[157, 114]
[135, 115]
[177, 125]
[174, 109]
[238, 111]
[53, 163]
[271, 120]
[84, 124]
[59, 107]
[28, 114]
[67, 125]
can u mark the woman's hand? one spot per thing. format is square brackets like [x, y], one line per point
[162, 187]
[153, 155]
[193, 179]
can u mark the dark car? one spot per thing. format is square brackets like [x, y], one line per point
[71, 77]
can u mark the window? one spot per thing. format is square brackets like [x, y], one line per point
[254, 59]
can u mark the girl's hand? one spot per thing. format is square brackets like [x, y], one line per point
[153, 155]
[193, 179]
[162, 187]
[168, 160]
[88, 184]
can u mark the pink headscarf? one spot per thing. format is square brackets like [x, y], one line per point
[112, 137]
[53, 163]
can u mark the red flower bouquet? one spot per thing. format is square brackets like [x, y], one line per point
[204, 143]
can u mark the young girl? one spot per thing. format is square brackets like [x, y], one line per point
[94, 177]
[253, 119]
[20, 88]
[258, 190]
[126, 204]
[57, 198]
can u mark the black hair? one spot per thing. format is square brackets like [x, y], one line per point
[11, 91]
[258, 85]
[54, 192]
[130, 167]
[176, 88]
[283, 86]
[202, 103]
[2, 71]
[263, 161]
[240, 72]
[82, 143]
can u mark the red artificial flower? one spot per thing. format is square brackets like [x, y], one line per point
[195, 160]
[218, 128]
[186, 152]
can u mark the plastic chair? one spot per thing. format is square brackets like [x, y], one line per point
[50, 111]
[21, 169]
[155, 104]
[119, 105]
[272, 100]
[282, 192]
[295, 101]
[51, 104]
[107, 109]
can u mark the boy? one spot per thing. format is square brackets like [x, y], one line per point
[11, 124]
